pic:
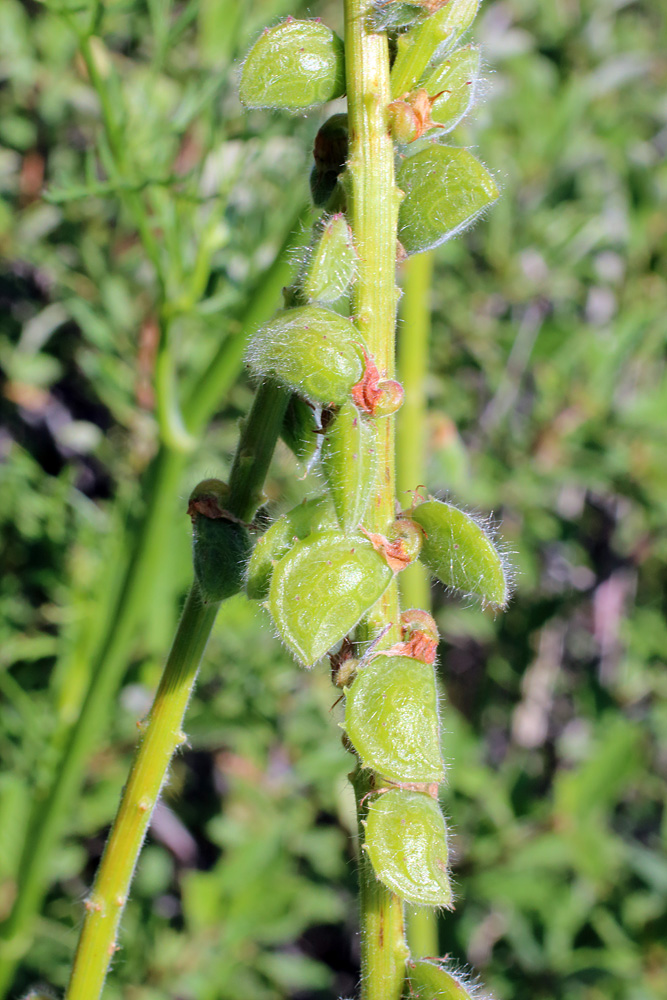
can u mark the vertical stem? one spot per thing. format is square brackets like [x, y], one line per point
[373, 212]
[413, 337]
[163, 730]
[163, 734]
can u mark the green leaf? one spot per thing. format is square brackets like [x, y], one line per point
[294, 66]
[445, 190]
[349, 464]
[432, 981]
[391, 717]
[406, 840]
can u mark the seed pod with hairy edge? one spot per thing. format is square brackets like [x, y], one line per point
[302, 430]
[349, 464]
[391, 717]
[293, 66]
[406, 841]
[321, 589]
[221, 544]
[301, 521]
[452, 84]
[332, 262]
[312, 351]
[431, 980]
[461, 553]
[445, 190]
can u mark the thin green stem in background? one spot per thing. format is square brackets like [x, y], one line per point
[163, 734]
[146, 535]
[373, 213]
[413, 336]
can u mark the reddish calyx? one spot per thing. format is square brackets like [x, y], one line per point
[380, 397]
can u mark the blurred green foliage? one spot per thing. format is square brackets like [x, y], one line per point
[548, 394]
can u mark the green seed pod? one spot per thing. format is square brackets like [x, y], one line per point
[309, 516]
[391, 717]
[406, 840]
[330, 155]
[445, 190]
[301, 430]
[311, 350]
[332, 264]
[321, 589]
[454, 81]
[460, 552]
[349, 463]
[221, 545]
[293, 66]
[432, 981]
[429, 42]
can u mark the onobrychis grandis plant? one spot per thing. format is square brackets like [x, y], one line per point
[388, 186]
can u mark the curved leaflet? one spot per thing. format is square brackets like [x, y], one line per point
[406, 840]
[309, 516]
[391, 717]
[349, 463]
[432, 981]
[321, 589]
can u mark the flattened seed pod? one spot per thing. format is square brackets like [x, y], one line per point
[406, 840]
[332, 264]
[391, 717]
[349, 463]
[460, 552]
[321, 589]
[293, 66]
[445, 190]
[301, 430]
[454, 81]
[312, 515]
[432, 981]
[220, 544]
[311, 351]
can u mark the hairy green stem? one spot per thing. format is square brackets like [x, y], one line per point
[162, 734]
[373, 213]
[146, 541]
[413, 336]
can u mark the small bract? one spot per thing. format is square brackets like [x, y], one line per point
[391, 717]
[309, 516]
[310, 350]
[349, 463]
[321, 589]
[460, 552]
[293, 66]
[432, 981]
[445, 190]
[332, 264]
[221, 545]
[454, 81]
[406, 840]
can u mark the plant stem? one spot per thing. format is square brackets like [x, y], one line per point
[413, 336]
[163, 734]
[163, 729]
[373, 213]
[146, 541]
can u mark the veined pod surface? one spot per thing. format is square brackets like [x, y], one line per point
[406, 840]
[321, 589]
[293, 66]
[332, 264]
[454, 82]
[312, 351]
[301, 430]
[460, 552]
[220, 544]
[391, 717]
[309, 516]
[428, 42]
[445, 190]
[431, 981]
[349, 463]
